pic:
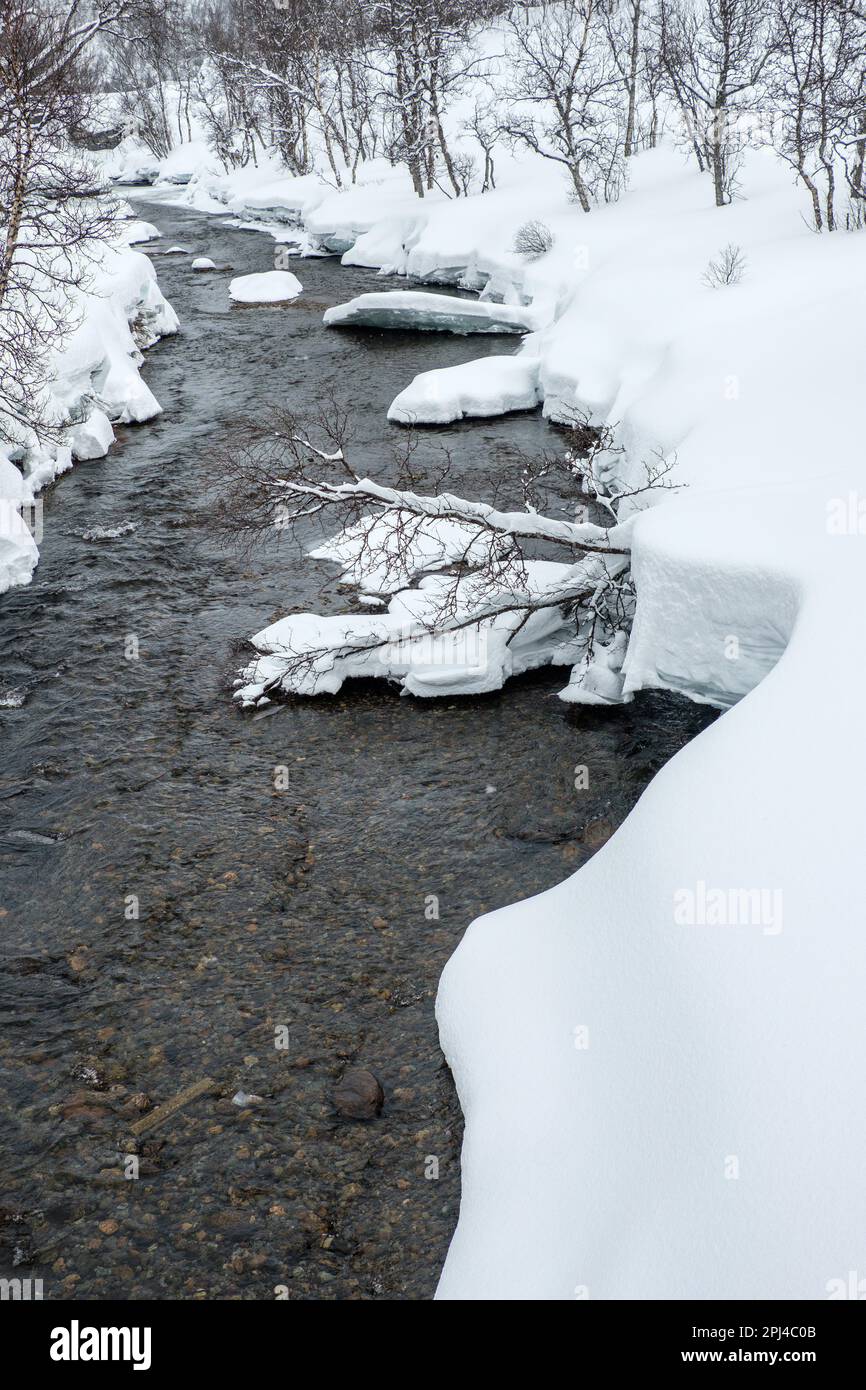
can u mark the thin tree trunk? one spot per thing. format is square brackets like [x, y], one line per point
[718, 151]
[580, 188]
[632, 78]
[16, 209]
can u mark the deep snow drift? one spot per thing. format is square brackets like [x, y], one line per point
[659, 1059]
[655, 1058]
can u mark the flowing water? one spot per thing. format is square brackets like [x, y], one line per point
[168, 917]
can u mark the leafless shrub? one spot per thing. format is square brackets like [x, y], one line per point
[728, 268]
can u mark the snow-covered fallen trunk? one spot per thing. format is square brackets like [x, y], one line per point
[306, 654]
[418, 311]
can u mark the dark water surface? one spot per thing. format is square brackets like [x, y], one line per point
[140, 779]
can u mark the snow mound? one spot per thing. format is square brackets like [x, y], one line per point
[203, 263]
[487, 386]
[138, 231]
[18, 550]
[137, 168]
[91, 438]
[185, 161]
[421, 312]
[266, 287]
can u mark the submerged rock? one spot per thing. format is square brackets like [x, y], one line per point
[359, 1095]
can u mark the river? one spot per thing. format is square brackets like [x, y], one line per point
[165, 911]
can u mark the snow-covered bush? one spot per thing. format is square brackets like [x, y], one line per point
[533, 240]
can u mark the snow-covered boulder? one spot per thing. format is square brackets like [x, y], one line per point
[203, 263]
[422, 312]
[376, 557]
[136, 169]
[487, 386]
[91, 438]
[138, 231]
[266, 287]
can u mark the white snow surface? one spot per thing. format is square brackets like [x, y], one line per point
[698, 1139]
[265, 287]
[376, 557]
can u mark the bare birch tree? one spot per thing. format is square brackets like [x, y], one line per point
[715, 53]
[816, 84]
[566, 100]
[623, 25]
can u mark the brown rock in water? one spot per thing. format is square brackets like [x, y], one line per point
[359, 1095]
[597, 832]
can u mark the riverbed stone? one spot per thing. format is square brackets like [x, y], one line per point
[359, 1095]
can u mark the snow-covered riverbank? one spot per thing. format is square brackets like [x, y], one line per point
[658, 1060]
[96, 384]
